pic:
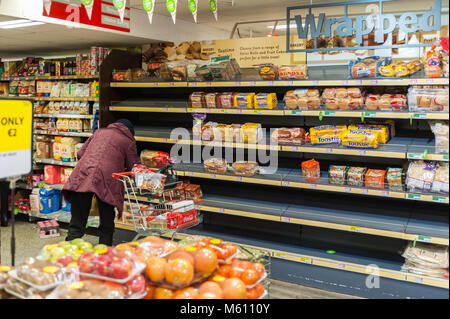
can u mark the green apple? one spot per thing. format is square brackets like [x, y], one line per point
[85, 245]
[77, 241]
[64, 244]
[57, 253]
[45, 254]
[100, 247]
[86, 250]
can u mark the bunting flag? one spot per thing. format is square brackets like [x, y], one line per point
[193, 7]
[120, 6]
[213, 7]
[88, 5]
[47, 6]
[172, 8]
[149, 7]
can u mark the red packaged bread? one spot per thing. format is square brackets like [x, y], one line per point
[155, 159]
[289, 136]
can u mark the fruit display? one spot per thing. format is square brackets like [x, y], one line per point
[225, 251]
[250, 273]
[110, 264]
[66, 252]
[4, 274]
[21, 290]
[88, 289]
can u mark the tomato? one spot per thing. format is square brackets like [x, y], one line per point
[235, 272]
[249, 277]
[251, 293]
[230, 250]
[245, 264]
[260, 269]
[259, 289]
[224, 271]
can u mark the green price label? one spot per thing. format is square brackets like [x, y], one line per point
[425, 239]
[414, 196]
[87, 2]
[171, 7]
[213, 5]
[148, 5]
[439, 199]
[192, 6]
[119, 4]
[330, 113]
[445, 157]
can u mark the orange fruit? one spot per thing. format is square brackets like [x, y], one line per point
[259, 289]
[186, 293]
[182, 255]
[179, 272]
[125, 246]
[224, 271]
[143, 255]
[162, 293]
[156, 269]
[260, 269]
[211, 288]
[150, 291]
[249, 277]
[154, 239]
[205, 260]
[251, 294]
[230, 250]
[235, 272]
[170, 246]
[208, 295]
[233, 288]
[245, 264]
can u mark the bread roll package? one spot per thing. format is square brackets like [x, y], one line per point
[375, 178]
[441, 136]
[311, 170]
[294, 136]
[197, 100]
[440, 183]
[215, 166]
[293, 72]
[155, 159]
[355, 176]
[428, 100]
[336, 174]
[420, 176]
[394, 178]
[243, 168]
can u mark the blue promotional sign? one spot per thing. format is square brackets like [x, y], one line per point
[313, 26]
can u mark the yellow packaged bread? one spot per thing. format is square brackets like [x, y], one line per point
[326, 134]
[383, 136]
[233, 133]
[251, 133]
[244, 100]
[57, 148]
[266, 101]
[360, 139]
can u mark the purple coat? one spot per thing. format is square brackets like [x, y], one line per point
[109, 150]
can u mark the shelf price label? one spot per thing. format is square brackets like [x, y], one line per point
[286, 184]
[365, 191]
[330, 113]
[356, 229]
[212, 176]
[445, 157]
[425, 239]
[439, 199]
[328, 150]
[421, 116]
[312, 186]
[252, 83]
[370, 114]
[193, 84]
[290, 83]
[315, 83]
[418, 279]
[348, 189]
[270, 83]
[286, 219]
[341, 266]
[373, 82]
[297, 112]
[415, 156]
[413, 81]
[237, 83]
[280, 255]
[415, 196]
[305, 260]
[190, 174]
[362, 153]
[358, 82]
[385, 193]
[429, 81]
[221, 210]
[344, 82]
[238, 178]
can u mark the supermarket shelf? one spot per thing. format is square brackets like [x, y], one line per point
[282, 112]
[17, 78]
[44, 132]
[397, 226]
[66, 116]
[54, 162]
[293, 179]
[64, 217]
[398, 147]
[355, 261]
[82, 99]
[67, 77]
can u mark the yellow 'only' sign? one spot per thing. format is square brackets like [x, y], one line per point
[16, 127]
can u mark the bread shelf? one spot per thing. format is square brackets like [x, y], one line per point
[49, 77]
[54, 162]
[66, 116]
[75, 134]
[81, 99]
[316, 257]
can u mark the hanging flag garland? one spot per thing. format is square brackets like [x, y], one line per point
[47, 6]
[120, 6]
[193, 7]
[172, 8]
[213, 7]
[149, 7]
[88, 5]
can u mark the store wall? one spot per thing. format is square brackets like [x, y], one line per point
[162, 28]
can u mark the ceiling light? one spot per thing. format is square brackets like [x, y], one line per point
[283, 26]
[18, 24]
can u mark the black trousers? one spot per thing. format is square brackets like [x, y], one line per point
[4, 192]
[80, 207]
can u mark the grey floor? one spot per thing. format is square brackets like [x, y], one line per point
[29, 244]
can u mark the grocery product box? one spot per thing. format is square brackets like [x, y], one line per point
[48, 229]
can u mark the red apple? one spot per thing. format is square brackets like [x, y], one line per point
[65, 260]
[124, 254]
[85, 262]
[135, 285]
[121, 268]
[115, 286]
[102, 264]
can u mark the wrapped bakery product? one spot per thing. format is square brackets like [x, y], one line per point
[382, 131]
[432, 63]
[233, 133]
[302, 99]
[428, 255]
[226, 100]
[251, 133]
[420, 176]
[197, 99]
[375, 178]
[427, 100]
[401, 68]
[243, 168]
[336, 174]
[293, 72]
[331, 103]
[394, 178]
[441, 136]
[367, 67]
[440, 183]
[88, 289]
[355, 176]
[208, 131]
[268, 71]
[197, 127]
[311, 170]
[211, 100]
[4, 274]
[326, 134]
[215, 166]
[219, 132]
[244, 100]
[352, 138]
[150, 182]
[265, 101]
[294, 136]
[155, 159]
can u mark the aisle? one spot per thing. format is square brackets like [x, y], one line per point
[28, 244]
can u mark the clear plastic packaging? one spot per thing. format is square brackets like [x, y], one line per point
[367, 67]
[326, 134]
[156, 159]
[243, 168]
[390, 102]
[336, 174]
[440, 183]
[197, 125]
[311, 170]
[427, 255]
[250, 273]
[251, 133]
[424, 271]
[355, 176]
[244, 100]
[208, 131]
[289, 136]
[125, 75]
[23, 291]
[4, 275]
[211, 100]
[293, 72]
[225, 251]
[233, 133]
[88, 289]
[375, 178]
[111, 264]
[150, 182]
[268, 71]
[215, 166]
[420, 176]
[197, 99]
[266, 101]
[303, 99]
[441, 136]
[428, 100]
[395, 178]
[226, 100]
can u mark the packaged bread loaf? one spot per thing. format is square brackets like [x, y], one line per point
[197, 127]
[155, 159]
[197, 99]
[243, 168]
[355, 176]
[326, 134]
[294, 136]
[211, 100]
[293, 72]
[440, 183]
[268, 71]
[394, 178]
[265, 101]
[219, 132]
[208, 131]
[226, 100]
[441, 136]
[336, 174]
[244, 100]
[367, 67]
[427, 100]
[215, 165]
[420, 176]
[251, 133]
[375, 178]
[311, 170]
[233, 133]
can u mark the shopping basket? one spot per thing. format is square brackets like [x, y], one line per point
[167, 213]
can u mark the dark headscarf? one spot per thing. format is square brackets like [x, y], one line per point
[128, 124]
